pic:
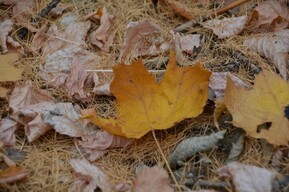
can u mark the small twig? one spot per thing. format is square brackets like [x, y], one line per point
[218, 12]
[111, 71]
[48, 8]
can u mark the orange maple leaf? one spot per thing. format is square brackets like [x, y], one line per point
[143, 104]
[261, 112]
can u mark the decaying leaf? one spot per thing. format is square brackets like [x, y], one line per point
[41, 117]
[7, 71]
[7, 129]
[188, 44]
[143, 104]
[154, 179]
[261, 111]
[218, 81]
[90, 177]
[143, 39]
[60, 8]
[25, 94]
[227, 27]
[38, 39]
[248, 177]
[180, 9]
[12, 174]
[189, 147]
[274, 46]
[99, 144]
[102, 37]
[271, 15]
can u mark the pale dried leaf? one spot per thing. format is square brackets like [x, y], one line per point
[218, 81]
[153, 179]
[23, 10]
[7, 129]
[98, 144]
[248, 177]
[38, 39]
[102, 37]
[26, 94]
[274, 46]
[271, 15]
[90, 177]
[71, 35]
[227, 27]
[189, 147]
[142, 39]
[14, 46]
[41, 117]
[8, 72]
[237, 149]
[5, 29]
[188, 43]
[122, 187]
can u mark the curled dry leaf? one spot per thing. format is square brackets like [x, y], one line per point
[143, 104]
[38, 39]
[248, 177]
[102, 37]
[219, 108]
[143, 39]
[7, 129]
[98, 144]
[153, 179]
[227, 27]
[5, 29]
[188, 44]
[261, 111]
[41, 117]
[23, 10]
[271, 15]
[60, 8]
[25, 94]
[274, 46]
[90, 177]
[189, 147]
[180, 9]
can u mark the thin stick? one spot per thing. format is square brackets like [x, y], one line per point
[166, 161]
[218, 12]
[111, 71]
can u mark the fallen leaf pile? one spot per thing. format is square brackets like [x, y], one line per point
[137, 96]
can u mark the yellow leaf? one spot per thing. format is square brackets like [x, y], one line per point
[261, 111]
[7, 71]
[3, 92]
[143, 104]
[219, 108]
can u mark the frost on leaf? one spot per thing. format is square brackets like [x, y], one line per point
[227, 27]
[248, 177]
[271, 15]
[143, 104]
[261, 111]
[274, 46]
[89, 177]
[152, 179]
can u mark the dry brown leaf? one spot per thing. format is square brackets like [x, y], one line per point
[271, 15]
[7, 71]
[248, 177]
[188, 44]
[7, 129]
[60, 8]
[143, 39]
[180, 9]
[5, 29]
[274, 46]
[99, 144]
[261, 111]
[12, 174]
[89, 177]
[38, 39]
[153, 179]
[226, 27]
[103, 37]
[25, 94]
[41, 117]
[219, 108]
[143, 104]
[3, 92]
[218, 81]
